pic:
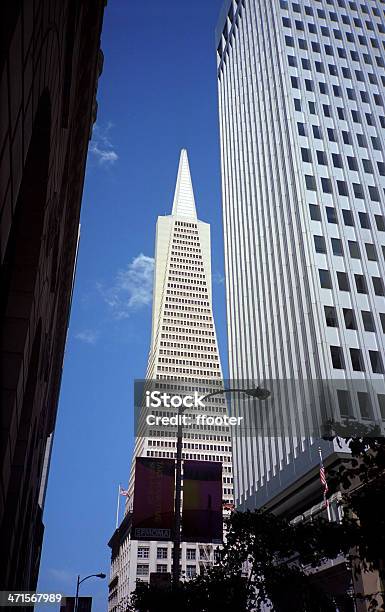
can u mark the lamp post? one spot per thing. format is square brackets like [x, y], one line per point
[258, 393]
[78, 583]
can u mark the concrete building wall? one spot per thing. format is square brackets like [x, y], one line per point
[301, 107]
[49, 68]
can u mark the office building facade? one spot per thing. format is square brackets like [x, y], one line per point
[302, 117]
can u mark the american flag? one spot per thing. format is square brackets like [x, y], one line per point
[322, 476]
[123, 492]
[324, 482]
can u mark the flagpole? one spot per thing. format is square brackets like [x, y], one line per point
[326, 501]
[118, 508]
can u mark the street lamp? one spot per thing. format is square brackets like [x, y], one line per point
[257, 393]
[101, 575]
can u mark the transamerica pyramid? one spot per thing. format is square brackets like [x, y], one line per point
[183, 349]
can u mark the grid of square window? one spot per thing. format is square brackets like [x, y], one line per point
[359, 404]
[335, 52]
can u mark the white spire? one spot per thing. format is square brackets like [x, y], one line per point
[184, 203]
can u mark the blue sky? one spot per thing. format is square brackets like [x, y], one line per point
[156, 95]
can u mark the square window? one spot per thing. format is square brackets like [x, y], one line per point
[331, 316]
[143, 552]
[331, 214]
[310, 182]
[309, 85]
[311, 108]
[321, 158]
[337, 357]
[378, 285]
[381, 166]
[374, 194]
[315, 212]
[301, 129]
[381, 404]
[323, 88]
[382, 319]
[331, 135]
[343, 281]
[142, 569]
[346, 137]
[191, 554]
[352, 163]
[349, 318]
[368, 321]
[346, 73]
[354, 249]
[364, 220]
[320, 244]
[316, 131]
[337, 246]
[356, 359]
[358, 191]
[380, 222]
[364, 404]
[326, 110]
[361, 140]
[325, 279]
[161, 568]
[292, 61]
[297, 104]
[162, 553]
[367, 166]
[344, 403]
[294, 82]
[376, 362]
[326, 185]
[337, 160]
[190, 571]
[342, 188]
[348, 217]
[371, 252]
[306, 155]
[360, 283]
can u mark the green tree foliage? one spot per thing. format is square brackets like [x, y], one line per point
[266, 559]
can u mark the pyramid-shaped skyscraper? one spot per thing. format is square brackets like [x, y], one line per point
[183, 349]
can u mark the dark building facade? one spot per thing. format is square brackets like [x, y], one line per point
[50, 63]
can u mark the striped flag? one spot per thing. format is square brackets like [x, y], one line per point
[324, 482]
[322, 476]
[123, 492]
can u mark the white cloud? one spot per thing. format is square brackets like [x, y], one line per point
[101, 146]
[89, 336]
[218, 278]
[132, 288]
